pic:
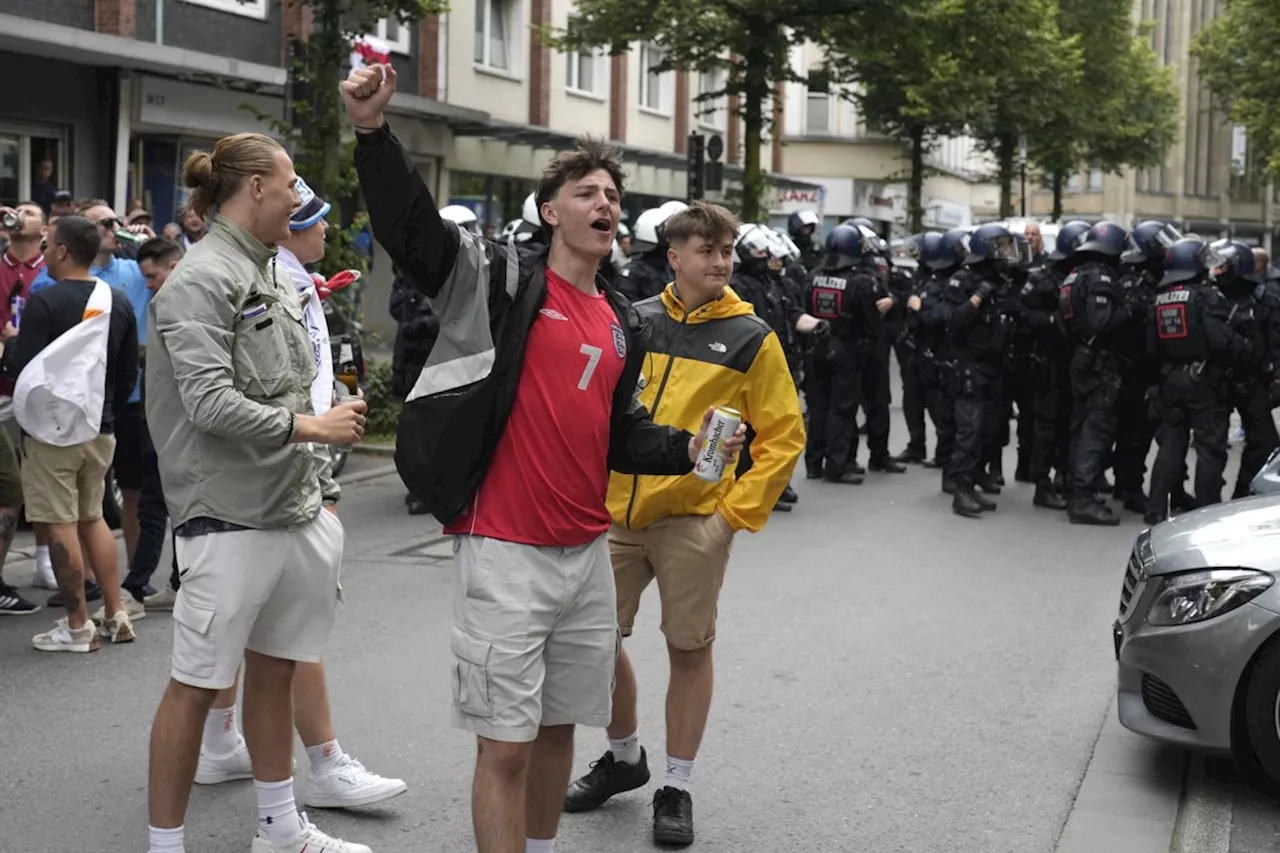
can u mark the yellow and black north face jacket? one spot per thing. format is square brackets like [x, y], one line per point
[721, 354]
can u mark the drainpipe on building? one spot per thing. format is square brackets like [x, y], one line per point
[124, 124]
[159, 21]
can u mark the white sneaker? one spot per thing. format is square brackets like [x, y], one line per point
[162, 600]
[44, 576]
[216, 769]
[312, 840]
[349, 785]
[63, 638]
[132, 606]
[118, 629]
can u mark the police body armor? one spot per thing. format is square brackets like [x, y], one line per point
[646, 275]
[846, 300]
[983, 340]
[1087, 284]
[1180, 339]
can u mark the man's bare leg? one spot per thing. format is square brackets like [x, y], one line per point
[68, 568]
[8, 526]
[268, 716]
[688, 700]
[550, 764]
[175, 750]
[498, 795]
[311, 713]
[101, 554]
[624, 721]
[129, 521]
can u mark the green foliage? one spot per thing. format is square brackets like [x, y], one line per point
[383, 418]
[1241, 66]
[702, 36]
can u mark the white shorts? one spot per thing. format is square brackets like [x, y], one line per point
[535, 637]
[274, 592]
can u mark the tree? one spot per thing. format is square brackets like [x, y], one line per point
[703, 36]
[1123, 110]
[1026, 66]
[906, 80]
[316, 124]
[1240, 64]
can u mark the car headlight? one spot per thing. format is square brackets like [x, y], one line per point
[1197, 596]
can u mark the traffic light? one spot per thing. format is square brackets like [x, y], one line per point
[714, 172]
[697, 143]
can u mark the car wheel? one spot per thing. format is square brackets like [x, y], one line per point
[112, 503]
[1262, 712]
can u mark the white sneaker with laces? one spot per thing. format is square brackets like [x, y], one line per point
[312, 840]
[63, 638]
[216, 769]
[162, 600]
[132, 606]
[350, 785]
[118, 629]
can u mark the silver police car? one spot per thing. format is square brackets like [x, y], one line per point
[1197, 639]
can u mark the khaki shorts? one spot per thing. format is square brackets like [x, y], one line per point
[274, 592]
[64, 485]
[688, 555]
[535, 638]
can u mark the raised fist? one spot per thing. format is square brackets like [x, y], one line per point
[366, 93]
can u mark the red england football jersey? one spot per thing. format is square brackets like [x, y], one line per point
[549, 475]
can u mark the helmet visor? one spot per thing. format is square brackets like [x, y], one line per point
[1166, 237]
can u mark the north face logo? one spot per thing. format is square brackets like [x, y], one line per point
[716, 346]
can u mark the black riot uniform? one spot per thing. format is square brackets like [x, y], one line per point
[1050, 362]
[1249, 376]
[842, 297]
[646, 275]
[978, 334]
[1017, 387]
[900, 332]
[876, 384]
[802, 227]
[1192, 335]
[942, 261]
[1092, 303]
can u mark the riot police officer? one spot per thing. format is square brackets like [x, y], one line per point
[1267, 295]
[648, 273]
[1050, 361]
[979, 332]
[1249, 377]
[900, 324]
[802, 226]
[1191, 333]
[842, 298]
[1018, 387]
[943, 261]
[1092, 304]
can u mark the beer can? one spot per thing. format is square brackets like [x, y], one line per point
[710, 463]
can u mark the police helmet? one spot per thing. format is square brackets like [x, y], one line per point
[878, 243]
[647, 234]
[623, 230]
[846, 244]
[788, 250]
[1105, 238]
[799, 221]
[991, 242]
[1149, 241]
[754, 243]
[1238, 258]
[1189, 259]
[1069, 238]
[953, 248]
[462, 216]
[924, 248]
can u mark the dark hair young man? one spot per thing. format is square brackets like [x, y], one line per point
[703, 347]
[535, 627]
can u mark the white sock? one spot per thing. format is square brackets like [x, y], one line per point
[43, 561]
[324, 758]
[164, 840]
[221, 737]
[539, 845]
[678, 773]
[627, 749]
[278, 816]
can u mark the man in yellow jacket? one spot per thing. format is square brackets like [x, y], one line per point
[704, 347]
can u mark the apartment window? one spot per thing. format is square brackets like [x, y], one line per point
[818, 103]
[582, 73]
[493, 34]
[32, 166]
[248, 8]
[711, 112]
[395, 34]
[653, 84]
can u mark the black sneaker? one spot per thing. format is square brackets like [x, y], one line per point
[92, 592]
[607, 777]
[12, 604]
[673, 817]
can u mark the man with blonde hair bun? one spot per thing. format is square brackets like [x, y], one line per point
[247, 481]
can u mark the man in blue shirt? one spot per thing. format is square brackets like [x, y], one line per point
[126, 276]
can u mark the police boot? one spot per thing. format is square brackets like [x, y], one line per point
[915, 454]
[1151, 519]
[1180, 501]
[887, 466]
[1023, 472]
[782, 507]
[849, 478]
[789, 495]
[1090, 511]
[965, 503]
[813, 471]
[948, 485]
[985, 502]
[1133, 500]
[857, 469]
[987, 483]
[1046, 497]
[996, 472]
[1102, 486]
[933, 464]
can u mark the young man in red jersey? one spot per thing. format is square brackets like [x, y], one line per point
[535, 633]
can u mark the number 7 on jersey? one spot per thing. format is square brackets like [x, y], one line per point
[593, 358]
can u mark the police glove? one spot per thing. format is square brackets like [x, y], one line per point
[985, 290]
[822, 332]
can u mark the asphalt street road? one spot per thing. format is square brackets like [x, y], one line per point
[890, 678]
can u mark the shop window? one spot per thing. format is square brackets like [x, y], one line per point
[493, 34]
[653, 84]
[248, 8]
[396, 34]
[32, 167]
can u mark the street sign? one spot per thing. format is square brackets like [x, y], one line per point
[715, 147]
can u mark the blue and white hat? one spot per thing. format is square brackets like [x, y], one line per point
[312, 209]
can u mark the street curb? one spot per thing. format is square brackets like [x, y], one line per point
[371, 474]
[1129, 797]
[1204, 816]
[374, 449]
